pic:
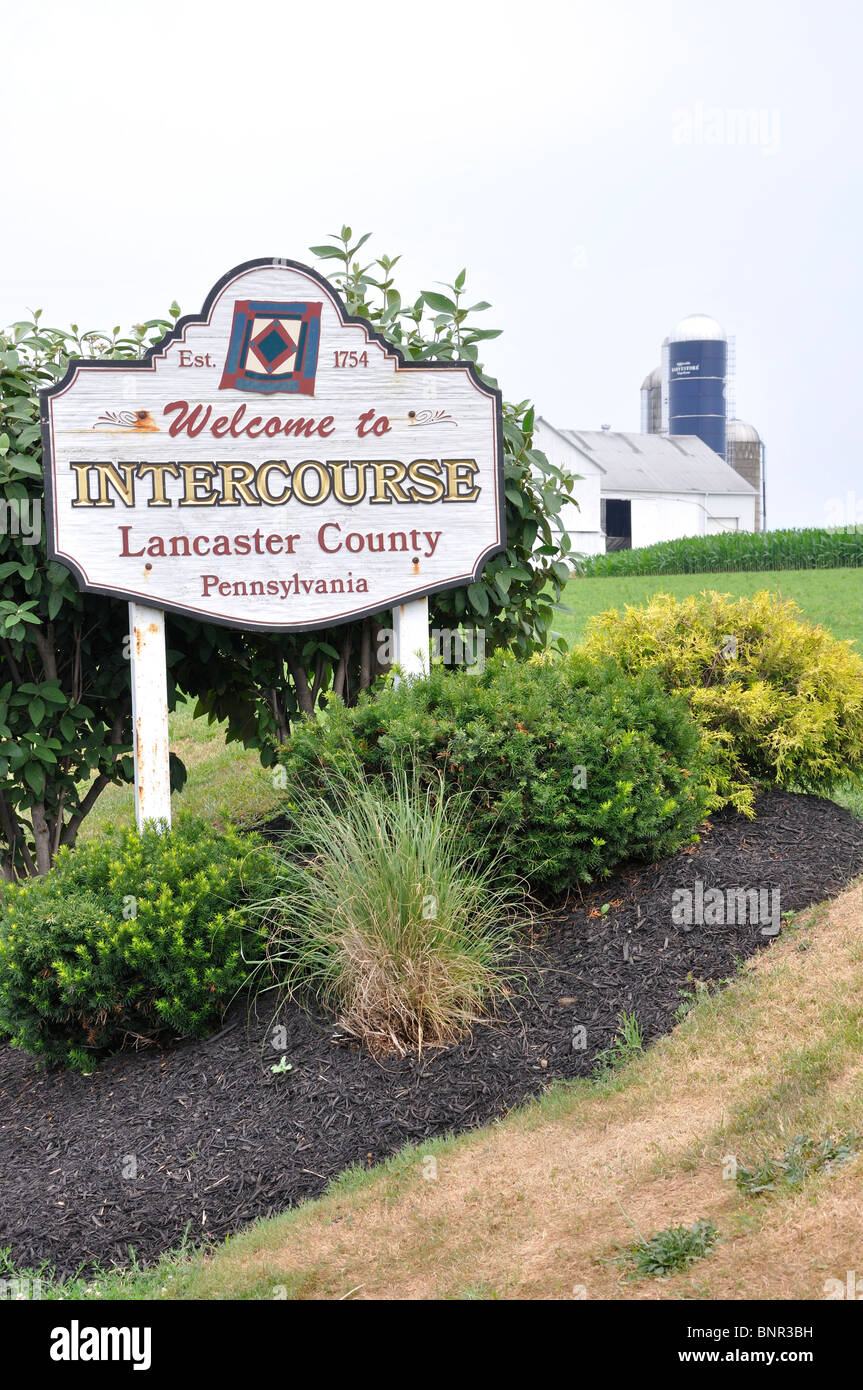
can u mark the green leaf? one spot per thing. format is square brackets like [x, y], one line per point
[50, 691]
[439, 302]
[478, 596]
[35, 775]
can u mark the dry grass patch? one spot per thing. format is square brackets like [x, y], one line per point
[537, 1205]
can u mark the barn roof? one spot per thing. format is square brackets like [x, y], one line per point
[656, 462]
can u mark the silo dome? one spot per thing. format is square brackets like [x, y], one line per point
[738, 432]
[652, 379]
[697, 328]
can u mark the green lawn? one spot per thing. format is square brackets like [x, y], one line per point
[833, 598]
[225, 781]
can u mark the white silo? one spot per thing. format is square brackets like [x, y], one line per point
[745, 454]
[651, 402]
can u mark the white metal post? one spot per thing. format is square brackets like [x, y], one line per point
[150, 715]
[411, 630]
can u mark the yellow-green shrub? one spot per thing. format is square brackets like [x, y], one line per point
[128, 939]
[779, 701]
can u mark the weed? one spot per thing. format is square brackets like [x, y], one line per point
[802, 1158]
[628, 1043]
[671, 1250]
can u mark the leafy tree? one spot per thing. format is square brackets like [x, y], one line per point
[65, 698]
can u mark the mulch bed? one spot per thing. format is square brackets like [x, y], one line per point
[219, 1140]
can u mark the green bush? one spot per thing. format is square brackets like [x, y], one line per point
[387, 921]
[805, 549]
[780, 702]
[571, 766]
[127, 939]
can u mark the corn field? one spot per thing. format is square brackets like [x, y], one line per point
[810, 548]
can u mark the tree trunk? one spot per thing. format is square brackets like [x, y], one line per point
[301, 685]
[340, 679]
[41, 838]
[70, 833]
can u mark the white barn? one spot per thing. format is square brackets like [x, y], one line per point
[636, 489]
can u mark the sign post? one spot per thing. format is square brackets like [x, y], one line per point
[411, 632]
[150, 716]
[272, 464]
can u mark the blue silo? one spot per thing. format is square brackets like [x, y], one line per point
[695, 364]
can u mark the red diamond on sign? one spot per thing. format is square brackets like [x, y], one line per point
[273, 346]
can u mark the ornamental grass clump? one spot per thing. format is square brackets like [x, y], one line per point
[778, 700]
[383, 918]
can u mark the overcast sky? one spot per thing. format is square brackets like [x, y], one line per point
[583, 160]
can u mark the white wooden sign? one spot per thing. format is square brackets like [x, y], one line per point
[273, 464]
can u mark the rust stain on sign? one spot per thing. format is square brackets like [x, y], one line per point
[139, 761]
[151, 630]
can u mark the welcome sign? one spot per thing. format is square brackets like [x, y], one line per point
[273, 464]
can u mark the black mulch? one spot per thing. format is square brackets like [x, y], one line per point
[219, 1140]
